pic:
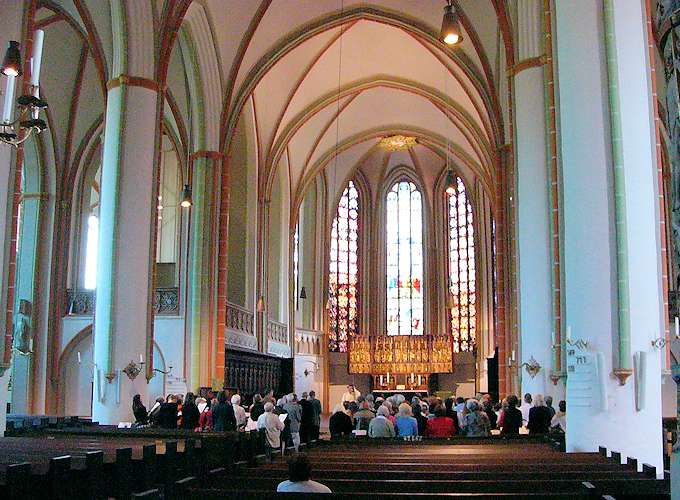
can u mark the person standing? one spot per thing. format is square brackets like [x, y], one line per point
[223, 414]
[273, 426]
[351, 395]
[294, 412]
[239, 412]
[257, 408]
[190, 413]
[306, 419]
[511, 417]
[316, 423]
[539, 417]
[139, 411]
[549, 404]
[526, 406]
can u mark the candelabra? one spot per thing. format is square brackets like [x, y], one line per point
[28, 122]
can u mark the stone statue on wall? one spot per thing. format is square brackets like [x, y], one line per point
[22, 340]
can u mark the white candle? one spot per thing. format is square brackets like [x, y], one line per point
[381, 380]
[8, 107]
[677, 327]
[141, 358]
[513, 355]
[79, 357]
[388, 377]
[36, 59]
[419, 383]
[30, 345]
[412, 377]
[568, 333]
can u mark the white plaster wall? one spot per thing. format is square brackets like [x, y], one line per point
[533, 228]
[590, 250]
[77, 378]
[314, 380]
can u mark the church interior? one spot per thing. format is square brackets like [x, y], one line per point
[429, 198]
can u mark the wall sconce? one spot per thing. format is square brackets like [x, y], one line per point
[532, 367]
[133, 369]
[153, 373]
[303, 293]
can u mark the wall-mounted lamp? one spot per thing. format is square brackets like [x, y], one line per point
[303, 293]
[532, 367]
[260, 304]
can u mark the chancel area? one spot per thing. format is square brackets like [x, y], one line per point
[405, 237]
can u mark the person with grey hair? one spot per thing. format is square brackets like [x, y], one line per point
[539, 417]
[380, 426]
[295, 416]
[273, 426]
[475, 422]
[405, 423]
[239, 412]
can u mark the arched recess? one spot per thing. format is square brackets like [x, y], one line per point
[76, 376]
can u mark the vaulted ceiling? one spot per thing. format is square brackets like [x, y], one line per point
[317, 77]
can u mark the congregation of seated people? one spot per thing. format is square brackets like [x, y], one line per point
[432, 417]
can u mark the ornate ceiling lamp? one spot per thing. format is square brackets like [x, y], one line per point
[397, 143]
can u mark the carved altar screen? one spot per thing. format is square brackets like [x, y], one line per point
[462, 271]
[404, 259]
[343, 275]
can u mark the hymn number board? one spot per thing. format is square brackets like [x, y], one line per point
[582, 378]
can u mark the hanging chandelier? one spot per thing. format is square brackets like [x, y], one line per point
[450, 33]
[397, 143]
[15, 131]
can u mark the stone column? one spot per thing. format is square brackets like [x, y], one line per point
[123, 325]
[533, 206]
[10, 29]
[612, 251]
[204, 164]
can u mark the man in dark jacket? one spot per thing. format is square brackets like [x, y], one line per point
[307, 420]
[167, 414]
[223, 415]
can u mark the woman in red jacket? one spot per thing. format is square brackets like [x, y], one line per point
[440, 425]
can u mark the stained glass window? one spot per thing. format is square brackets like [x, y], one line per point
[462, 273]
[343, 280]
[404, 259]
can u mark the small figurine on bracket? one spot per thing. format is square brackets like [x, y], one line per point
[23, 335]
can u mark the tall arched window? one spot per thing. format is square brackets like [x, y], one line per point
[404, 259]
[343, 275]
[462, 271]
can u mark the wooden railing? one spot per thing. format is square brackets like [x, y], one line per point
[278, 332]
[240, 319]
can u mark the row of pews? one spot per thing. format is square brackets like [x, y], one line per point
[98, 462]
[484, 468]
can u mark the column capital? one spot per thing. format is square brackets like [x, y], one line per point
[134, 81]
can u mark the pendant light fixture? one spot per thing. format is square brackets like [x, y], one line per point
[451, 33]
[16, 130]
[450, 183]
[186, 197]
[11, 64]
